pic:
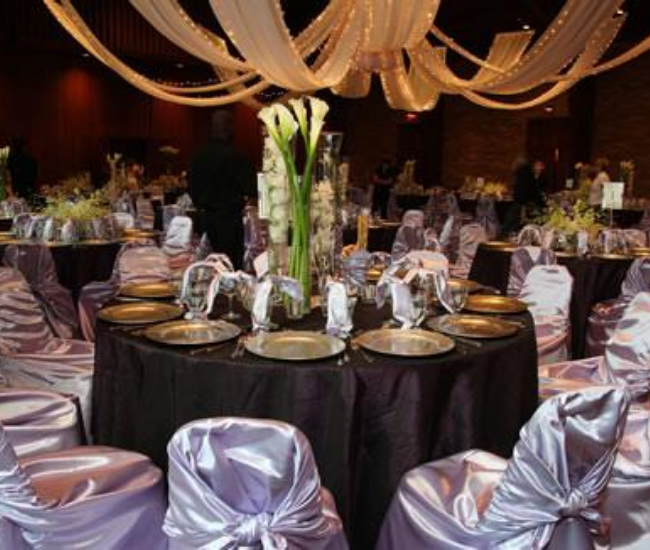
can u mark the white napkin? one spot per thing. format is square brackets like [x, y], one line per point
[339, 319]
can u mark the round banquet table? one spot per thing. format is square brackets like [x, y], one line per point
[594, 280]
[80, 264]
[368, 422]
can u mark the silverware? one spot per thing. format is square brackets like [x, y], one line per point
[239, 349]
[356, 347]
[209, 349]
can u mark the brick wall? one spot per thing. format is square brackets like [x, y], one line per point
[622, 119]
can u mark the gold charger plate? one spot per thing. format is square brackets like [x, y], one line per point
[494, 304]
[295, 346]
[405, 343]
[610, 256]
[502, 246]
[472, 326]
[192, 333]
[140, 313]
[640, 252]
[148, 290]
[94, 242]
[472, 286]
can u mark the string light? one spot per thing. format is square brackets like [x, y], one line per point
[350, 40]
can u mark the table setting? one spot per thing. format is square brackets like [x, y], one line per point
[205, 350]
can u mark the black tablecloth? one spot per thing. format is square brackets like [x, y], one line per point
[594, 280]
[79, 264]
[380, 239]
[368, 423]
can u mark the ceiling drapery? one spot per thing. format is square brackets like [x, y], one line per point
[352, 40]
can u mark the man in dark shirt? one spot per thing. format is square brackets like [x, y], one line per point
[383, 180]
[23, 169]
[220, 180]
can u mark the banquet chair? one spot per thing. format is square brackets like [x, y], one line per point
[203, 249]
[96, 498]
[123, 220]
[547, 292]
[625, 363]
[612, 241]
[605, 315]
[31, 356]
[471, 235]
[177, 244]
[486, 216]
[38, 422]
[427, 259]
[410, 235]
[169, 212]
[549, 494]
[246, 483]
[635, 238]
[145, 214]
[20, 225]
[531, 235]
[523, 259]
[138, 261]
[36, 265]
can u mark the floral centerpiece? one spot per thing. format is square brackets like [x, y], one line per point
[4, 156]
[323, 217]
[282, 125]
[78, 208]
[569, 221]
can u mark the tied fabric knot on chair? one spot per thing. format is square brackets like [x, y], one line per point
[245, 482]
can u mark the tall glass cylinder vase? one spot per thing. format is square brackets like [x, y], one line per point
[328, 169]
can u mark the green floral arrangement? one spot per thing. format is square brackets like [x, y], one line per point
[78, 207]
[581, 217]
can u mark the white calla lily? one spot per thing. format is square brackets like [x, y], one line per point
[287, 124]
[319, 110]
[298, 106]
[269, 116]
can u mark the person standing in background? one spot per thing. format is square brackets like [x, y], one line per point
[219, 182]
[23, 169]
[541, 183]
[525, 193]
[383, 179]
[599, 177]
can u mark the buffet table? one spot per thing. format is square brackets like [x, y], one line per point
[80, 264]
[594, 280]
[368, 422]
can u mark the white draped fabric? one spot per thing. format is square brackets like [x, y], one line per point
[351, 40]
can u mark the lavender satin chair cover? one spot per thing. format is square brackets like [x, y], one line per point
[605, 315]
[626, 362]
[450, 236]
[38, 422]
[471, 235]
[37, 227]
[145, 213]
[178, 243]
[203, 249]
[635, 238]
[410, 235]
[559, 470]
[522, 261]
[87, 497]
[185, 202]
[124, 204]
[530, 235]
[612, 241]
[237, 482]
[11, 207]
[123, 220]
[169, 212]
[37, 266]
[20, 225]
[547, 291]
[31, 356]
[486, 216]
[254, 238]
[137, 262]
